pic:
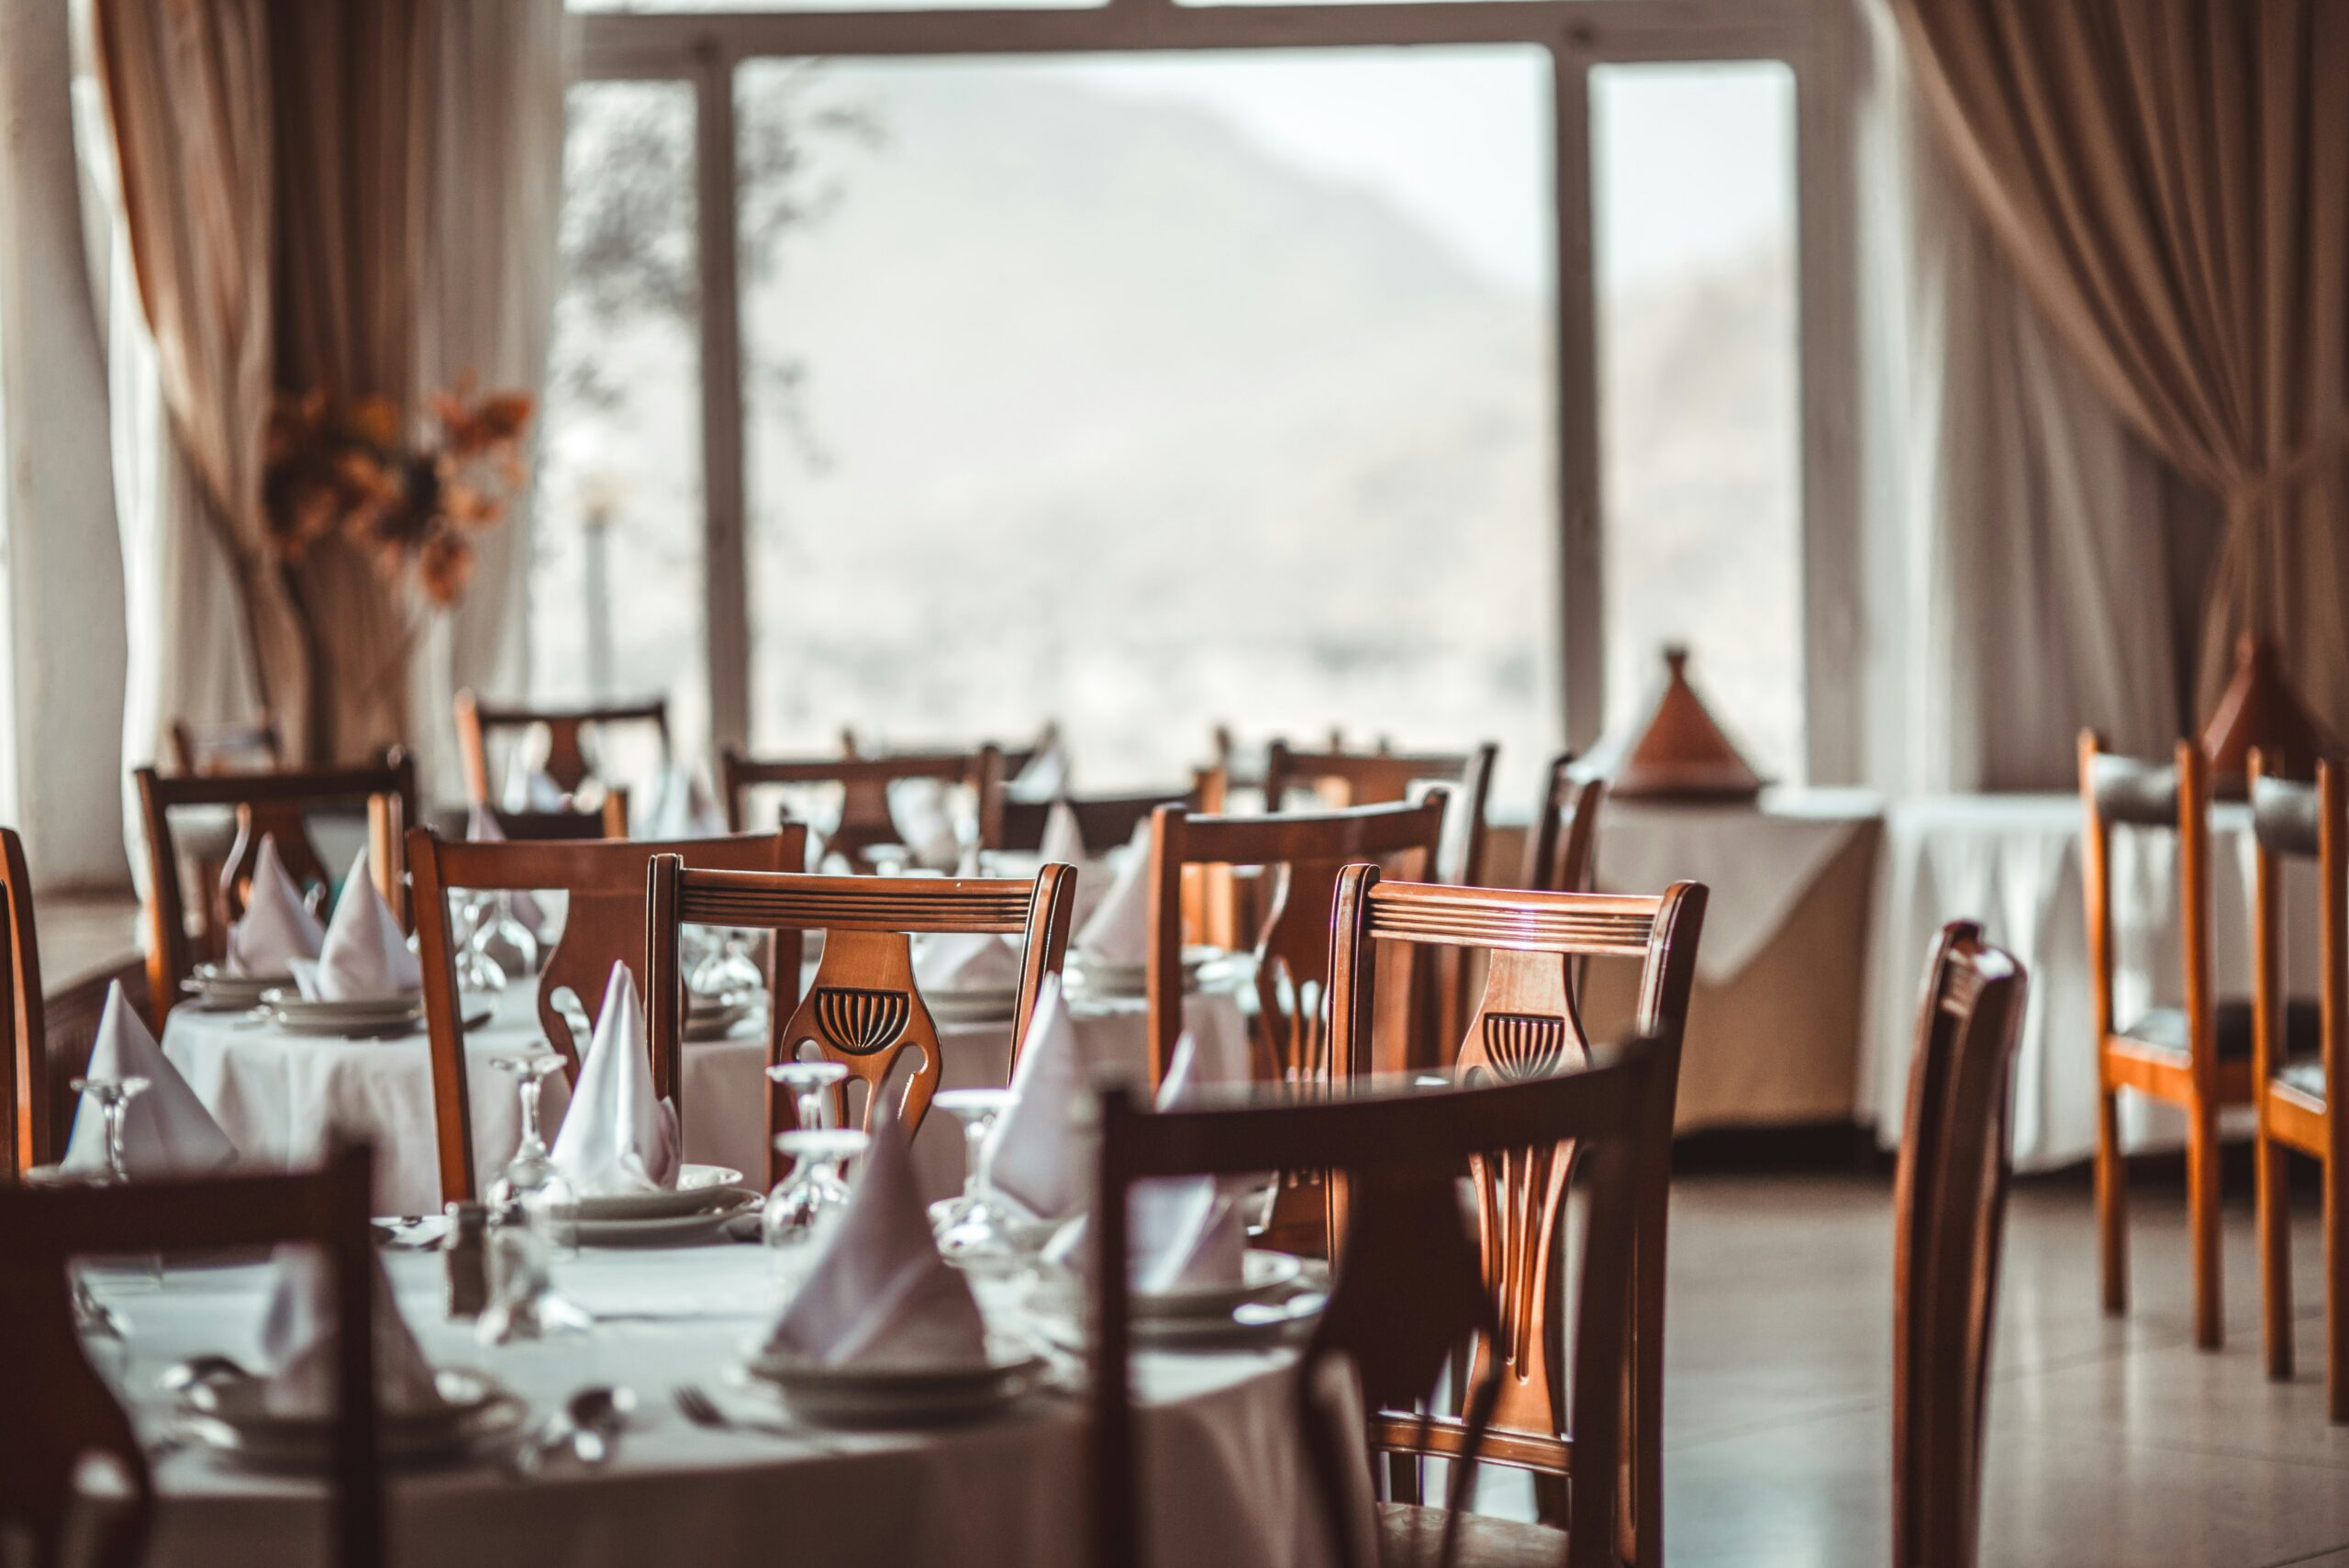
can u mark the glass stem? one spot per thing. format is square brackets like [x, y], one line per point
[117, 1165]
[531, 1087]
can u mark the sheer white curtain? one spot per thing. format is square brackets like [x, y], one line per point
[2028, 589]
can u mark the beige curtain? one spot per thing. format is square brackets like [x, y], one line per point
[352, 94]
[186, 91]
[2170, 180]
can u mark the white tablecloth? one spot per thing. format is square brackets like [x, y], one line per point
[2013, 864]
[1756, 861]
[274, 1092]
[1225, 1482]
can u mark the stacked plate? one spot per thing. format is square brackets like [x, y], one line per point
[1092, 977]
[706, 1199]
[216, 989]
[231, 1417]
[881, 1395]
[359, 1017]
[984, 1004]
[1272, 1296]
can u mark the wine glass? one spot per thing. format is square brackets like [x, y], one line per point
[505, 941]
[113, 1096]
[808, 1082]
[811, 1198]
[729, 973]
[523, 1303]
[978, 1234]
[976, 1110]
[530, 1177]
[477, 970]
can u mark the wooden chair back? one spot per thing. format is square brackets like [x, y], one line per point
[2118, 791]
[863, 1007]
[1016, 756]
[1409, 1283]
[1562, 844]
[864, 784]
[234, 746]
[604, 923]
[1949, 1204]
[1103, 821]
[1527, 1024]
[1345, 778]
[68, 1413]
[28, 1121]
[568, 761]
[267, 804]
[608, 819]
[1303, 854]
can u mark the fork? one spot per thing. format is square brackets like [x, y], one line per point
[699, 1408]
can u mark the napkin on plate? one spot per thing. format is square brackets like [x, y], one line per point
[1031, 1154]
[617, 1138]
[481, 827]
[277, 926]
[529, 787]
[298, 1343]
[1064, 841]
[366, 956]
[1118, 930]
[878, 1292]
[966, 961]
[1045, 775]
[166, 1131]
[918, 810]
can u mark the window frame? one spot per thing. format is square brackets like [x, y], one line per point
[704, 49]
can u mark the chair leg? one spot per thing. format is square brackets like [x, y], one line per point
[2275, 1256]
[2112, 1205]
[2336, 1310]
[2202, 1215]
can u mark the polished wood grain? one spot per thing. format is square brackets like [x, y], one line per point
[1103, 821]
[63, 1411]
[1526, 1025]
[863, 1007]
[2119, 792]
[1562, 843]
[2302, 821]
[267, 804]
[568, 762]
[1410, 1284]
[1949, 1209]
[863, 822]
[237, 745]
[608, 819]
[604, 923]
[26, 1123]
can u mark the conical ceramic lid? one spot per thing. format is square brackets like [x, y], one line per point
[2259, 710]
[1683, 753]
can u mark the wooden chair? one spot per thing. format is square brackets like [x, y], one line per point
[863, 784]
[568, 763]
[274, 804]
[2196, 1057]
[1378, 778]
[1016, 756]
[1410, 1284]
[1560, 846]
[1527, 1024]
[67, 1412]
[608, 819]
[863, 1007]
[1103, 821]
[604, 924]
[2291, 1079]
[1303, 854]
[1949, 1208]
[234, 746]
[30, 1129]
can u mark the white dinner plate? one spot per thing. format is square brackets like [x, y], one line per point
[699, 1187]
[217, 990]
[364, 1012]
[232, 1418]
[878, 1394]
[668, 1230]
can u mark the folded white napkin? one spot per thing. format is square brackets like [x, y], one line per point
[879, 1292]
[1064, 841]
[166, 1131]
[1118, 930]
[529, 787]
[277, 926]
[365, 955]
[1031, 1154]
[481, 827]
[966, 961]
[298, 1343]
[918, 810]
[1045, 775]
[683, 806]
[617, 1138]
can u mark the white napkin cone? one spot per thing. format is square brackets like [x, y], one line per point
[277, 927]
[683, 807]
[1030, 1154]
[1045, 775]
[878, 1292]
[918, 810]
[529, 787]
[481, 827]
[617, 1138]
[298, 1343]
[165, 1131]
[966, 961]
[1118, 930]
[1064, 841]
[365, 957]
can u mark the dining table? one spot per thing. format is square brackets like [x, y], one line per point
[1225, 1479]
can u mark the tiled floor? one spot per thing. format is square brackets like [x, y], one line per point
[2110, 1442]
